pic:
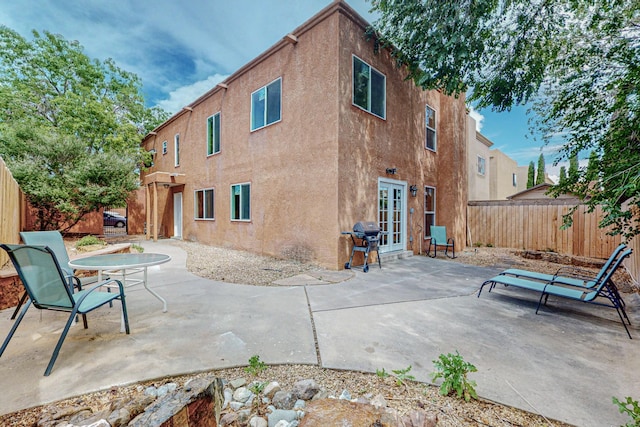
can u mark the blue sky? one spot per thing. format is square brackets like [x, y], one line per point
[180, 50]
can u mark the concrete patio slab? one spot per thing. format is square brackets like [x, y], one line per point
[564, 363]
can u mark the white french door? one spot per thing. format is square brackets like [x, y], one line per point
[392, 204]
[177, 215]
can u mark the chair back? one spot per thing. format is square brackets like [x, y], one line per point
[602, 282]
[55, 242]
[607, 265]
[41, 276]
[439, 233]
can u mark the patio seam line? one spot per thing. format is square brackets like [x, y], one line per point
[389, 303]
[313, 328]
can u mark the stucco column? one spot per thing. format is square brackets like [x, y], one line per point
[155, 211]
[147, 208]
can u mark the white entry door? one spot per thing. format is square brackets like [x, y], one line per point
[392, 204]
[177, 215]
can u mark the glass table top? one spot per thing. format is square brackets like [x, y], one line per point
[120, 261]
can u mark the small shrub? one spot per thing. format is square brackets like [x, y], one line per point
[89, 241]
[137, 248]
[489, 245]
[255, 365]
[382, 373]
[477, 244]
[402, 375]
[631, 408]
[454, 370]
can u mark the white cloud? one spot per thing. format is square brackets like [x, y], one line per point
[185, 95]
[479, 118]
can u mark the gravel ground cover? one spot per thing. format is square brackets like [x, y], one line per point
[241, 267]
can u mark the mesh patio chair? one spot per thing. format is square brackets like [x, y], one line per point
[439, 238]
[47, 287]
[54, 240]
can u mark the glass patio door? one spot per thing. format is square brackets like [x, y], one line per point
[391, 215]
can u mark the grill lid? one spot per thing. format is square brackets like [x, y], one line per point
[367, 228]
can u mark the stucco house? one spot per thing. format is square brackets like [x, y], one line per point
[492, 174]
[317, 133]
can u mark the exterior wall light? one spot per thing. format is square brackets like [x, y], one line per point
[414, 190]
[391, 171]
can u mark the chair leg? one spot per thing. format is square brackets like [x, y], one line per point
[124, 313]
[54, 356]
[23, 298]
[14, 327]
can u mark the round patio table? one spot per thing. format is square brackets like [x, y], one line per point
[123, 265]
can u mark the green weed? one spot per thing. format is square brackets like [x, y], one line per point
[255, 365]
[454, 370]
[631, 408]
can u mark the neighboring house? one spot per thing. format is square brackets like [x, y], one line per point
[539, 192]
[320, 131]
[492, 174]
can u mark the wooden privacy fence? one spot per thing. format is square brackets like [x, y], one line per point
[10, 210]
[535, 225]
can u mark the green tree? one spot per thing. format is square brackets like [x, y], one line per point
[531, 175]
[563, 174]
[574, 166]
[540, 177]
[554, 55]
[70, 127]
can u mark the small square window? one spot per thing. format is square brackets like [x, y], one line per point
[204, 204]
[369, 88]
[266, 105]
[164, 147]
[241, 202]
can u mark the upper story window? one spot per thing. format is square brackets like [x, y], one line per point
[241, 202]
[176, 148]
[429, 210]
[482, 165]
[266, 105]
[213, 134]
[204, 204]
[369, 88]
[164, 147]
[430, 120]
[514, 179]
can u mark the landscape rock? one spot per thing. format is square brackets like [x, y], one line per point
[305, 389]
[284, 400]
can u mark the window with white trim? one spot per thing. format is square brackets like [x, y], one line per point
[369, 88]
[482, 165]
[429, 210]
[176, 149]
[164, 147]
[266, 105]
[514, 179]
[241, 202]
[430, 121]
[213, 134]
[203, 208]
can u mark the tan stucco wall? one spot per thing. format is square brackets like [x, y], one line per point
[315, 173]
[503, 168]
[479, 185]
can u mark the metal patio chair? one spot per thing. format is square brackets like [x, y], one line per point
[439, 238]
[47, 287]
[54, 240]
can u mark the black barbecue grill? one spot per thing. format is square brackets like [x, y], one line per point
[365, 237]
